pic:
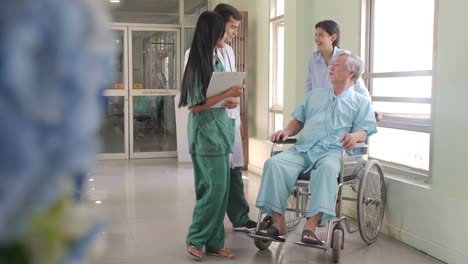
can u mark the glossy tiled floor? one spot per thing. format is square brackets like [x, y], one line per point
[148, 206]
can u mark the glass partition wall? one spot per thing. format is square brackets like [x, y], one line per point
[154, 86]
[114, 127]
[151, 38]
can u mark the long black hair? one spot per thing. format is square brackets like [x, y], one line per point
[209, 29]
[331, 27]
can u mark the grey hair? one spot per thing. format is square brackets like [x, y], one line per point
[354, 64]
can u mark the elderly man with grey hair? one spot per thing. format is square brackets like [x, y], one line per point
[330, 120]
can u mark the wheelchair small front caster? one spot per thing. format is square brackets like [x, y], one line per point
[263, 244]
[337, 242]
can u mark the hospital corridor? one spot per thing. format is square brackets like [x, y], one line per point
[233, 131]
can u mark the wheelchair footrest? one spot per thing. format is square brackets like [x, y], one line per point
[311, 245]
[278, 239]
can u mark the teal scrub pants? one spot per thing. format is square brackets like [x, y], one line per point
[212, 191]
[237, 208]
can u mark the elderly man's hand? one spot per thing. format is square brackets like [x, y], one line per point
[279, 136]
[348, 141]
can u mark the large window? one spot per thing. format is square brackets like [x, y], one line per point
[276, 66]
[400, 76]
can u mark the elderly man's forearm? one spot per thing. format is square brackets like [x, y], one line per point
[293, 127]
[360, 135]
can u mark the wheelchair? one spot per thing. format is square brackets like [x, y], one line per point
[365, 177]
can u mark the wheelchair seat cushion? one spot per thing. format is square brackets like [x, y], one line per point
[304, 176]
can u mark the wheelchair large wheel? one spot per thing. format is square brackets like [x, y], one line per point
[263, 244]
[295, 201]
[371, 201]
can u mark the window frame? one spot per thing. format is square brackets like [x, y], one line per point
[395, 121]
[274, 107]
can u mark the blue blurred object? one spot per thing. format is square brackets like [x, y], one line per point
[55, 61]
[80, 179]
[80, 248]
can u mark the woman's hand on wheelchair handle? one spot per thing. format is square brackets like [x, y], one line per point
[378, 116]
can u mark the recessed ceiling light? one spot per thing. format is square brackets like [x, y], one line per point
[114, 1]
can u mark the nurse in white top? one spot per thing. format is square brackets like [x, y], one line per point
[327, 38]
[237, 208]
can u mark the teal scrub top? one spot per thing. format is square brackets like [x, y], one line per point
[210, 132]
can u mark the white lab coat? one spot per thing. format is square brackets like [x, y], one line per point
[227, 58]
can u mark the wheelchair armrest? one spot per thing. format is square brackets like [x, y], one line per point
[287, 141]
[275, 143]
[361, 145]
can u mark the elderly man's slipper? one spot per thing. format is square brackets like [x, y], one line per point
[310, 233]
[271, 232]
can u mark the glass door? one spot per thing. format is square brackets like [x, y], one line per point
[114, 129]
[139, 118]
[153, 79]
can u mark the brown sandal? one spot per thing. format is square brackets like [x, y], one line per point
[194, 252]
[223, 253]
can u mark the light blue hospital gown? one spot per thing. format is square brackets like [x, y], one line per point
[326, 119]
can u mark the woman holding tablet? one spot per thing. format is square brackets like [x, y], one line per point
[210, 138]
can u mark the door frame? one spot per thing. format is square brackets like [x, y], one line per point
[150, 92]
[120, 92]
[128, 92]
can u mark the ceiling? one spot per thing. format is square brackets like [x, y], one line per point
[155, 6]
